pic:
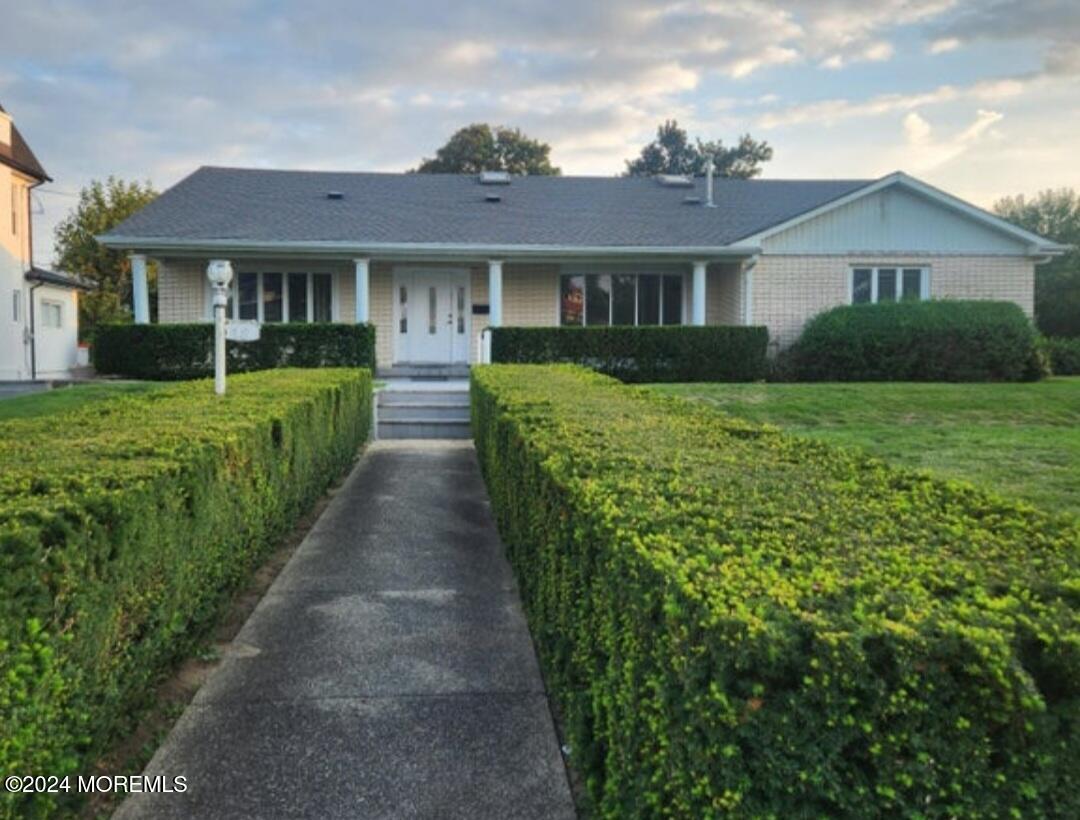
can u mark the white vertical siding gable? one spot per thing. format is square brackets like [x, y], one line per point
[893, 220]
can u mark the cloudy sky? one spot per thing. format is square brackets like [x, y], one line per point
[981, 97]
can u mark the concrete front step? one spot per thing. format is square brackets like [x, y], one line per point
[424, 412]
[456, 398]
[425, 371]
[424, 428]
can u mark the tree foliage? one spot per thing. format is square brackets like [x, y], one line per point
[481, 147]
[1054, 214]
[102, 206]
[672, 152]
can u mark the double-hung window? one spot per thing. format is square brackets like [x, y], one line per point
[282, 297]
[52, 314]
[599, 299]
[870, 285]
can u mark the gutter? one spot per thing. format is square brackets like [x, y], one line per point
[412, 249]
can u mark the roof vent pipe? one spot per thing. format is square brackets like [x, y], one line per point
[708, 184]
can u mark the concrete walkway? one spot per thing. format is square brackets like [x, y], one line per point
[388, 672]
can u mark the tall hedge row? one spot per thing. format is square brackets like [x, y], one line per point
[641, 354]
[937, 341]
[1064, 355]
[124, 525]
[736, 622]
[186, 351]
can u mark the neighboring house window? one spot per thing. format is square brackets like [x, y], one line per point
[16, 305]
[870, 285]
[52, 314]
[278, 297]
[599, 299]
[14, 208]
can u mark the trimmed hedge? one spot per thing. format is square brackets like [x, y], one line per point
[1064, 355]
[939, 341]
[123, 528]
[740, 622]
[186, 351]
[641, 354]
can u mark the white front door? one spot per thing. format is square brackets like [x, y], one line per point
[431, 316]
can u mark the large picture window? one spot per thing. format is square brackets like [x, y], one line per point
[870, 285]
[279, 297]
[600, 299]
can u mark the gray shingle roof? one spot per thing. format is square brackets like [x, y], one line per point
[262, 205]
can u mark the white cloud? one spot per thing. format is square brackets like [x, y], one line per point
[944, 45]
[923, 152]
[470, 53]
[107, 86]
[830, 112]
[916, 129]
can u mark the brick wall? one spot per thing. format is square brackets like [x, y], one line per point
[530, 295]
[788, 290]
[723, 295]
[181, 293]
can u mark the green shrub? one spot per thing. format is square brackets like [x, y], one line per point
[946, 341]
[641, 354]
[173, 352]
[124, 525]
[735, 621]
[1064, 355]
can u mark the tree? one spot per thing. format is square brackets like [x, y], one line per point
[1054, 214]
[672, 152]
[479, 147]
[102, 206]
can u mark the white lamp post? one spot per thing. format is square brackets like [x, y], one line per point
[220, 274]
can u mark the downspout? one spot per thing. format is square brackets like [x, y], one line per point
[30, 257]
[33, 334]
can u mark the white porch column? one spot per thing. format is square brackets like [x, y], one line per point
[495, 292]
[697, 296]
[363, 290]
[140, 294]
[748, 290]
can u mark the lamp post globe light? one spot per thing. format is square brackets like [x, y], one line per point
[220, 274]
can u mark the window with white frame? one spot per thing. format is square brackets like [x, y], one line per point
[16, 305]
[52, 314]
[893, 283]
[597, 299]
[274, 296]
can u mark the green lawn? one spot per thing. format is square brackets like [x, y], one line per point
[67, 398]
[1021, 440]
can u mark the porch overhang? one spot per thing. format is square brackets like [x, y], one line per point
[411, 252]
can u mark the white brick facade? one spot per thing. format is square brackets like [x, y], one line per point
[181, 290]
[787, 289]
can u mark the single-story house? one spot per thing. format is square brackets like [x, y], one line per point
[433, 260]
[39, 308]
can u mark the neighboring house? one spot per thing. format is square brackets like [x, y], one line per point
[432, 260]
[39, 309]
